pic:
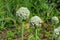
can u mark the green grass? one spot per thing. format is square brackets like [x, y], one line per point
[10, 23]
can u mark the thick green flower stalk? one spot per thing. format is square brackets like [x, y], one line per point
[35, 22]
[23, 13]
[55, 21]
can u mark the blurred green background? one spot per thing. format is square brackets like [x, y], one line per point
[10, 25]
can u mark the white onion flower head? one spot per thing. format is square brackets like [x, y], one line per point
[55, 20]
[23, 13]
[35, 21]
[57, 31]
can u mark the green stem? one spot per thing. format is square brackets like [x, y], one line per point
[35, 31]
[53, 34]
[23, 31]
[36, 34]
